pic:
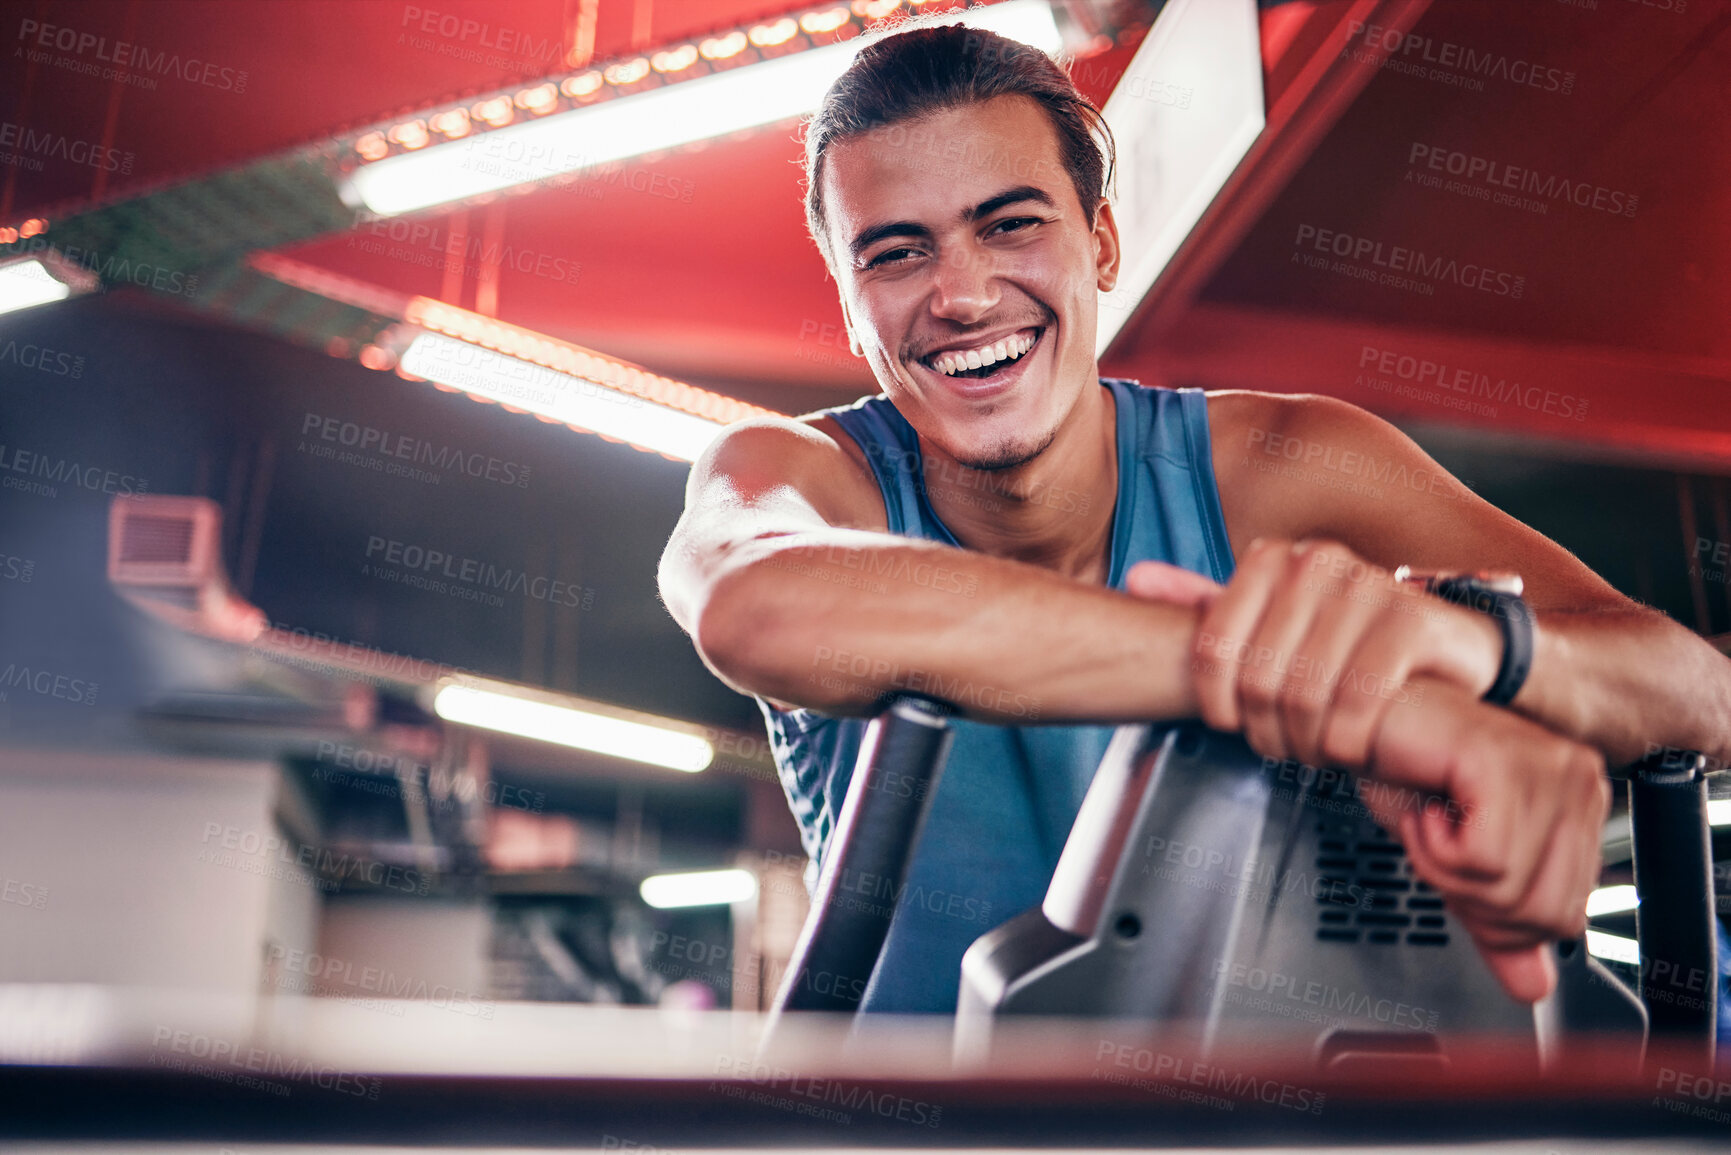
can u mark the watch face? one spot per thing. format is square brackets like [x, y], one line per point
[1483, 581]
[1499, 582]
[1418, 577]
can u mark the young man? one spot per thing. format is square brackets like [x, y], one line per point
[1053, 552]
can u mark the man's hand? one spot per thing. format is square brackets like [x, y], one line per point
[1498, 813]
[1308, 646]
[1501, 815]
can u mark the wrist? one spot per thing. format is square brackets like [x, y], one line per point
[1539, 699]
[1498, 597]
[1181, 655]
[1489, 647]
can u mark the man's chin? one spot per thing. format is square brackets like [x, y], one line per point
[1007, 454]
[991, 437]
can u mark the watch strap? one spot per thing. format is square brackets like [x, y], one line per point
[1515, 619]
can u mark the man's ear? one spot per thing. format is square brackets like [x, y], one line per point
[853, 341]
[1107, 252]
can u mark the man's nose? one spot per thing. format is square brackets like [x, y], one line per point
[964, 284]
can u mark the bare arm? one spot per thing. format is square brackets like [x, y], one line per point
[1628, 680]
[1608, 672]
[786, 596]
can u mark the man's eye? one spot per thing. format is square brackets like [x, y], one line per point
[1017, 221]
[887, 255]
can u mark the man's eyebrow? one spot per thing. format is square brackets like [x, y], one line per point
[1027, 192]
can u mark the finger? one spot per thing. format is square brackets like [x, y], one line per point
[1462, 894]
[1544, 905]
[1336, 631]
[1472, 762]
[1487, 930]
[1544, 892]
[1460, 841]
[1259, 687]
[1517, 782]
[1158, 582]
[1373, 675]
[1592, 855]
[1419, 636]
[1278, 679]
[1555, 902]
[1276, 676]
[1228, 624]
[1594, 806]
[1389, 806]
[1528, 974]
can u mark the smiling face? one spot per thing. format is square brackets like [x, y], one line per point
[970, 274]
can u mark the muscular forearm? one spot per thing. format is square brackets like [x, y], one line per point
[835, 619]
[1627, 681]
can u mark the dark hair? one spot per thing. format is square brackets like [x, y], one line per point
[913, 71]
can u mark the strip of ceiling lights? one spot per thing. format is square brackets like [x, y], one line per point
[559, 381]
[592, 118]
[522, 370]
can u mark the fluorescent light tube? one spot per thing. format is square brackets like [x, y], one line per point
[560, 396]
[579, 729]
[1184, 114]
[675, 114]
[24, 284]
[1614, 947]
[1611, 900]
[699, 888]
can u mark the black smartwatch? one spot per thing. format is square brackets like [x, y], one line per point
[1496, 594]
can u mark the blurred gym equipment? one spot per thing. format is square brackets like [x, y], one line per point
[1209, 893]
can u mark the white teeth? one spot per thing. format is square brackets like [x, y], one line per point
[1009, 348]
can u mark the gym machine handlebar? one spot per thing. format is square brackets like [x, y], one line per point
[887, 801]
[1674, 921]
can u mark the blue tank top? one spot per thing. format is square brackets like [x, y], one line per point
[1008, 794]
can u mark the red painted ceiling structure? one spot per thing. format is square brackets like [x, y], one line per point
[1616, 345]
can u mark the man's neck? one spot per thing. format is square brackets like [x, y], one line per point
[1055, 511]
